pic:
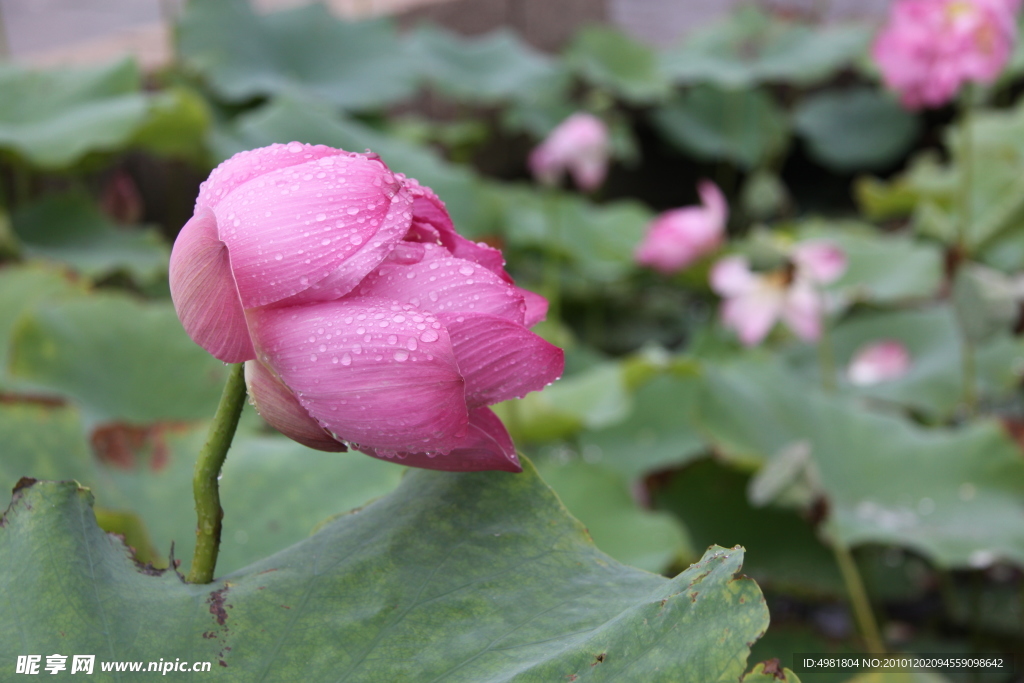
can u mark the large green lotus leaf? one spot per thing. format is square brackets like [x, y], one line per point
[178, 121]
[454, 577]
[784, 552]
[952, 495]
[260, 517]
[881, 268]
[745, 126]
[658, 433]
[597, 240]
[750, 46]
[51, 119]
[42, 441]
[594, 398]
[490, 68]
[286, 119]
[611, 59]
[70, 229]
[855, 129]
[602, 500]
[21, 288]
[119, 358]
[303, 51]
[934, 381]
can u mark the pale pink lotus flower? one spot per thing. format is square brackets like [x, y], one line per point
[677, 238]
[877, 362]
[365, 320]
[580, 145]
[930, 48]
[754, 301]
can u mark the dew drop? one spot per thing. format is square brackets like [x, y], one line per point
[401, 356]
[428, 336]
[278, 257]
[356, 239]
[323, 217]
[392, 340]
[346, 359]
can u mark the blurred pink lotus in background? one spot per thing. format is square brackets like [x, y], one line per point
[677, 238]
[878, 362]
[930, 48]
[580, 145]
[364, 318]
[754, 301]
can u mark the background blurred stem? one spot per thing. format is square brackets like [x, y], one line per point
[205, 485]
[553, 256]
[826, 360]
[967, 350]
[858, 599]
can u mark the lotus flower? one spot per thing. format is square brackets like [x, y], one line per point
[580, 145]
[365, 320]
[878, 362]
[930, 48]
[677, 238]
[754, 302]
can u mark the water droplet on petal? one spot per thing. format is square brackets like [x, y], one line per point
[346, 359]
[428, 336]
[401, 356]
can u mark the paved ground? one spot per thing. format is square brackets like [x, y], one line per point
[54, 31]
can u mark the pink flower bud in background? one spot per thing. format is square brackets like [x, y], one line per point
[930, 48]
[365, 320]
[677, 238]
[754, 302]
[579, 145]
[878, 362]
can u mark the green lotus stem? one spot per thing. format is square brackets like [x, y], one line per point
[862, 611]
[205, 485]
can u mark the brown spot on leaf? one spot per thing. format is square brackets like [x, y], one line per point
[23, 483]
[598, 659]
[121, 445]
[216, 602]
[47, 401]
[773, 667]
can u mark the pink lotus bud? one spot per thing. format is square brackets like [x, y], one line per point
[878, 362]
[677, 238]
[580, 145]
[365, 319]
[930, 48]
